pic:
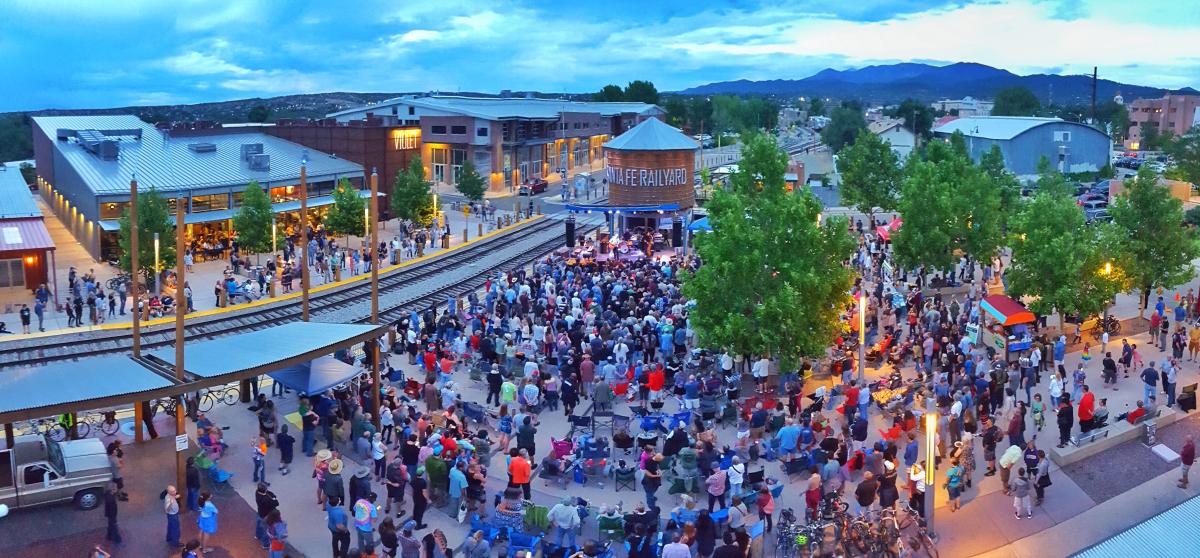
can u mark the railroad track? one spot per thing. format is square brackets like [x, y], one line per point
[410, 288]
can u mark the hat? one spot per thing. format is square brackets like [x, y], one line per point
[409, 526]
[335, 466]
[362, 473]
[888, 465]
[420, 471]
[324, 455]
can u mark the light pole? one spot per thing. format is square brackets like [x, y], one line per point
[157, 273]
[862, 336]
[930, 459]
[1107, 272]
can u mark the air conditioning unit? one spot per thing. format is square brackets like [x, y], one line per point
[260, 162]
[249, 149]
[205, 147]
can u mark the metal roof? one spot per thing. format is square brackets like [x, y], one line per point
[995, 127]
[652, 135]
[499, 108]
[23, 235]
[30, 387]
[315, 376]
[168, 164]
[282, 345]
[225, 214]
[1170, 533]
[16, 200]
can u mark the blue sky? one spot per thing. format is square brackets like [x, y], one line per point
[86, 53]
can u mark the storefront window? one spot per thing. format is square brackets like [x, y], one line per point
[237, 198]
[457, 158]
[285, 193]
[439, 165]
[211, 202]
[113, 210]
[552, 157]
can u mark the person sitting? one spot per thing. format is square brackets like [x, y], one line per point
[686, 511]
[510, 510]
[1135, 415]
[1100, 415]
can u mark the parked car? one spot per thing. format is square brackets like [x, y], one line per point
[38, 470]
[533, 187]
[1097, 216]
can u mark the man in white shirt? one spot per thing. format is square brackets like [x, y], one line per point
[760, 370]
[676, 549]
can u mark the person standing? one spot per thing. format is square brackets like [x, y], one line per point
[110, 514]
[116, 460]
[207, 522]
[25, 318]
[1019, 486]
[287, 446]
[1087, 406]
[171, 509]
[1169, 379]
[520, 471]
[192, 474]
[259, 458]
[564, 516]
[1187, 456]
[420, 497]
[39, 310]
[1149, 381]
[364, 513]
[1041, 477]
[394, 479]
[1066, 420]
[339, 527]
[266, 503]
[277, 530]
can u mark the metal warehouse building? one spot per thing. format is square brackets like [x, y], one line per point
[1070, 146]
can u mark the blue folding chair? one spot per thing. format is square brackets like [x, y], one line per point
[518, 541]
[683, 418]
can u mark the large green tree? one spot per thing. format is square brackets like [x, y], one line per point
[773, 281]
[1185, 153]
[154, 216]
[845, 123]
[410, 198]
[641, 91]
[816, 106]
[252, 222]
[1153, 139]
[1160, 251]
[870, 174]
[1058, 260]
[1005, 183]
[609, 93]
[917, 116]
[1016, 101]
[260, 113]
[470, 184]
[1114, 117]
[347, 215]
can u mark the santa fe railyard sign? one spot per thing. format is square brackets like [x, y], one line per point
[623, 176]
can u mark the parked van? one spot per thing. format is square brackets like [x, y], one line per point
[38, 470]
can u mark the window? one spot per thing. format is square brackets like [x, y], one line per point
[459, 130]
[395, 111]
[112, 210]
[6, 473]
[411, 110]
[237, 198]
[211, 202]
[36, 474]
[481, 132]
[12, 273]
[437, 129]
[457, 158]
[1064, 137]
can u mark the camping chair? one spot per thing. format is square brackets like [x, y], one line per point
[729, 414]
[775, 423]
[412, 389]
[611, 528]
[653, 423]
[708, 408]
[489, 532]
[626, 478]
[561, 448]
[579, 422]
[537, 518]
[475, 413]
[681, 418]
[518, 541]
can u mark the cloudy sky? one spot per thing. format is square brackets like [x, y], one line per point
[86, 53]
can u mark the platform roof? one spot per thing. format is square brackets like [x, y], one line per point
[225, 359]
[39, 391]
[16, 201]
[1161, 535]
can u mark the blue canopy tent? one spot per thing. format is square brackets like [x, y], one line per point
[699, 225]
[315, 376]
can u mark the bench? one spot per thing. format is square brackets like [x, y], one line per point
[1116, 433]
[1090, 437]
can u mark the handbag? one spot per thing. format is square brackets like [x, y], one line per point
[462, 511]
[1044, 481]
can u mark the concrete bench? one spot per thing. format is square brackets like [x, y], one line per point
[1116, 433]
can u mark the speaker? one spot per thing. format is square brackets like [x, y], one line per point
[677, 233]
[570, 234]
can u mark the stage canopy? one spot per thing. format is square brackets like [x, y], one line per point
[315, 376]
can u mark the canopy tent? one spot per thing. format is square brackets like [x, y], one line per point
[315, 376]
[1007, 311]
[245, 355]
[700, 224]
[28, 392]
[885, 231]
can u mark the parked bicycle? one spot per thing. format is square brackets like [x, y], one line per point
[104, 422]
[226, 394]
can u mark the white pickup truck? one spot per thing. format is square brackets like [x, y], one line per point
[38, 470]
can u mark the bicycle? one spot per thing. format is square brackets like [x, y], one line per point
[167, 405]
[52, 427]
[225, 394]
[104, 422]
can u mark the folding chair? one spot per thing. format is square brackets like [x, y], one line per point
[626, 478]
[518, 541]
[475, 413]
[537, 518]
[561, 448]
[681, 418]
[611, 528]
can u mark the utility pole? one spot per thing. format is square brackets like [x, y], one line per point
[133, 269]
[1092, 116]
[373, 223]
[304, 281]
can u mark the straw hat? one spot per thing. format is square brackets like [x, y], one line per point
[335, 466]
[324, 455]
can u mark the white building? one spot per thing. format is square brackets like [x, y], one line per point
[893, 132]
[966, 106]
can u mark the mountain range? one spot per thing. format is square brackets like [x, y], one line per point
[894, 82]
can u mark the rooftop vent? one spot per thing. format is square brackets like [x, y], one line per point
[260, 161]
[204, 147]
[249, 149]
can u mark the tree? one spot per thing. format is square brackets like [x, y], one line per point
[641, 91]
[1151, 138]
[1015, 101]
[410, 197]
[609, 93]
[1058, 260]
[1185, 152]
[259, 113]
[917, 116]
[1113, 117]
[845, 123]
[870, 174]
[773, 281]
[252, 223]
[470, 184]
[676, 108]
[28, 173]
[1159, 250]
[347, 215]
[816, 106]
[1007, 187]
[154, 216]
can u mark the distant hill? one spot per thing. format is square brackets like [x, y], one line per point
[894, 82]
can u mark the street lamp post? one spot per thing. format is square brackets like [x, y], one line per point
[157, 273]
[862, 336]
[930, 459]
[1107, 272]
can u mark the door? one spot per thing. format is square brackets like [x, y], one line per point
[39, 484]
[8, 486]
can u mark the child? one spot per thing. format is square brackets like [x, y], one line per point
[1087, 353]
[1039, 409]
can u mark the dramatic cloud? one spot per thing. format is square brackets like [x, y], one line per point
[80, 53]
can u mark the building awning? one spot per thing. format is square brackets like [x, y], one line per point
[110, 225]
[38, 391]
[254, 353]
[700, 224]
[1007, 311]
[24, 235]
[315, 376]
